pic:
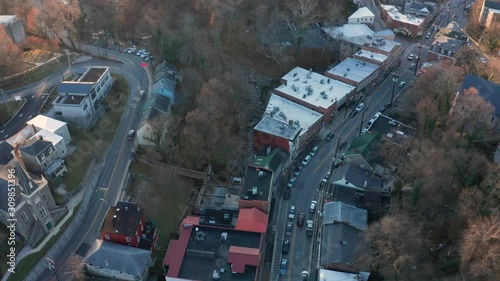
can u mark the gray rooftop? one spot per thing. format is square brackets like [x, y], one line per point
[165, 70]
[74, 87]
[278, 128]
[5, 152]
[164, 85]
[118, 257]
[348, 174]
[35, 146]
[492, 4]
[490, 91]
[338, 244]
[400, 133]
[338, 212]
[262, 184]
[161, 105]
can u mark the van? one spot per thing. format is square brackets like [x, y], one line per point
[314, 151]
[300, 219]
[130, 134]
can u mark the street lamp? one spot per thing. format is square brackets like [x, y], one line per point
[50, 264]
[394, 81]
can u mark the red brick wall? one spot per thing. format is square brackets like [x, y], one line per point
[261, 139]
[264, 206]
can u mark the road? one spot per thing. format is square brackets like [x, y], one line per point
[30, 109]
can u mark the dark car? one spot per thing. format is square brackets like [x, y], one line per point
[330, 136]
[300, 219]
[286, 247]
[287, 193]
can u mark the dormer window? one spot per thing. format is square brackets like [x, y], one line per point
[31, 185]
[43, 157]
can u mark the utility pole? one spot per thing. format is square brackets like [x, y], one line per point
[50, 264]
[418, 56]
[5, 101]
[361, 123]
[394, 81]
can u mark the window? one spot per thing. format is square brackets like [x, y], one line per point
[442, 51]
[449, 53]
[106, 236]
[45, 165]
[434, 48]
[63, 151]
[128, 239]
[44, 197]
[43, 213]
[24, 216]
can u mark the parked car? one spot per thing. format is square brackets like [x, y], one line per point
[291, 213]
[286, 247]
[428, 35]
[312, 208]
[291, 182]
[330, 136]
[287, 193]
[360, 107]
[416, 58]
[289, 228]
[130, 134]
[298, 171]
[412, 66]
[310, 227]
[283, 267]
[300, 219]
[306, 161]
[314, 151]
[305, 275]
[410, 57]
[402, 84]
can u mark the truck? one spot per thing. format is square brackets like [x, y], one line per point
[309, 229]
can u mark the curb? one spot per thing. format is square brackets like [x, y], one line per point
[24, 102]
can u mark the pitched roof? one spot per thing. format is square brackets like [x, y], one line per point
[362, 12]
[122, 219]
[490, 91]
[492, 4]
[252, 220]
[240, 257]
[358, 178]
[74, 87]
[160, 105]
[34, 147]
[338, 212]
[177, 247]
[5, 152]
[119, 257]
[270, 162]
[338, 244]
[362, 145]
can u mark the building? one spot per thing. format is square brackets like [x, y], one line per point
[165, 80]
[447, 43]
[362, 15]
[14, 27]
[419, 9]
[272, 160]
[339, 212]
[331, 275]
[52, 125]
[257, 189]
[35, 210]
[405, 24]
[338, 246]
[362, 153]
[204, 252]
[39, 156]
[79, 101]
[490, 12]
[355, 72]
[126, 224]
[6, 155]
[488, 90]
[351, 38]
[271, 132]
[56, 140]
[118, 262]
[372, 57]
[315, 91]
[308, 120]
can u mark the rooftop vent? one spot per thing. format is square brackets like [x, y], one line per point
[345, 74]
[255, 190]
[371, 56]
[261, 174]
[295, 74]
[322, 81]
[328, 80]
[369, 37]
[348, 69]
[226, 216]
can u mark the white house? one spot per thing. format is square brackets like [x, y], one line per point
[56, 140]
[52, 125]
[362, 15]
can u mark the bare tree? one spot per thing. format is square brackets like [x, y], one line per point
[58, 19]
[74, 268]
[301, 13]
[471, 111]
[9, 52]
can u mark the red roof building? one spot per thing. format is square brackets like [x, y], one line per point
[240, 257]
[252, 220]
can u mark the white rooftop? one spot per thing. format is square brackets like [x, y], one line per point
[372, 55]
[6, 18]
[283, 109]
[361, 13]
[353, 69]
[331, 275]
[277, 127]
[50, 124]
[47, 135]
[361, 34]
[395, 14]
[313, 88]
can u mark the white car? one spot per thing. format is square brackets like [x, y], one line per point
[312, 208]
[291, 214]
[306, 161]
[402, 84]
[291, 182]
[360, 107]
[410, 57]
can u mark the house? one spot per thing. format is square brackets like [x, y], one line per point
[338, 246]
[332, 275]
[372, 57]
[274, 160]
[339, 212]
[447, 43]
[349, 39]
[165, 80]
[79, 101]
[355, 72]
[35, 210]
[488, 90]
[362, 15]
[126, 224]
[56, 140]
[204, 252]
[109, 260]
[315, 91]
[272, 132]
[405, 24]
[257, 189]
[6, 153]
[40, 157]
[14, 27]
[419, 9]
[308, 120]
[490, 12]
[52, 125]
[361, 152]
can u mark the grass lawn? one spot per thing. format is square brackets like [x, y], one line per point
[29, 262]
[96, 140]
[8, 110]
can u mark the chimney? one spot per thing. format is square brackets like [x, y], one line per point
[290, 122]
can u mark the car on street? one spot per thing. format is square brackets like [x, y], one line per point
[360, 107]
[291, 213]
[410, 57]
[300, 219]
[310, 227]
[427, 35]
[412, 66]
[283, 267]
[287, 193]
[330, 136]
[456, 5]
[314, 151]
[305, 275]
[291, 182]
[130, 134]
[289, 228]
[286, 247]
[306, 161]
[312, 208]
[402, 84]
[298, 171]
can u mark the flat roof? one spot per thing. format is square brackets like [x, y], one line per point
[48, 135]
[276, 127]
[313, 88]
[396, 15]
[362, 12]
[399, 133]
[206, 251]
[285, 110]
[339, 212]
[47, 123]
[361, 34]
[122, 219]
[72, 99]
[93, 74]
[73, 87]
[6, 18]
[331, 275]
[372, 55]
[256, 187]
[353, 69]
[338, 244]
